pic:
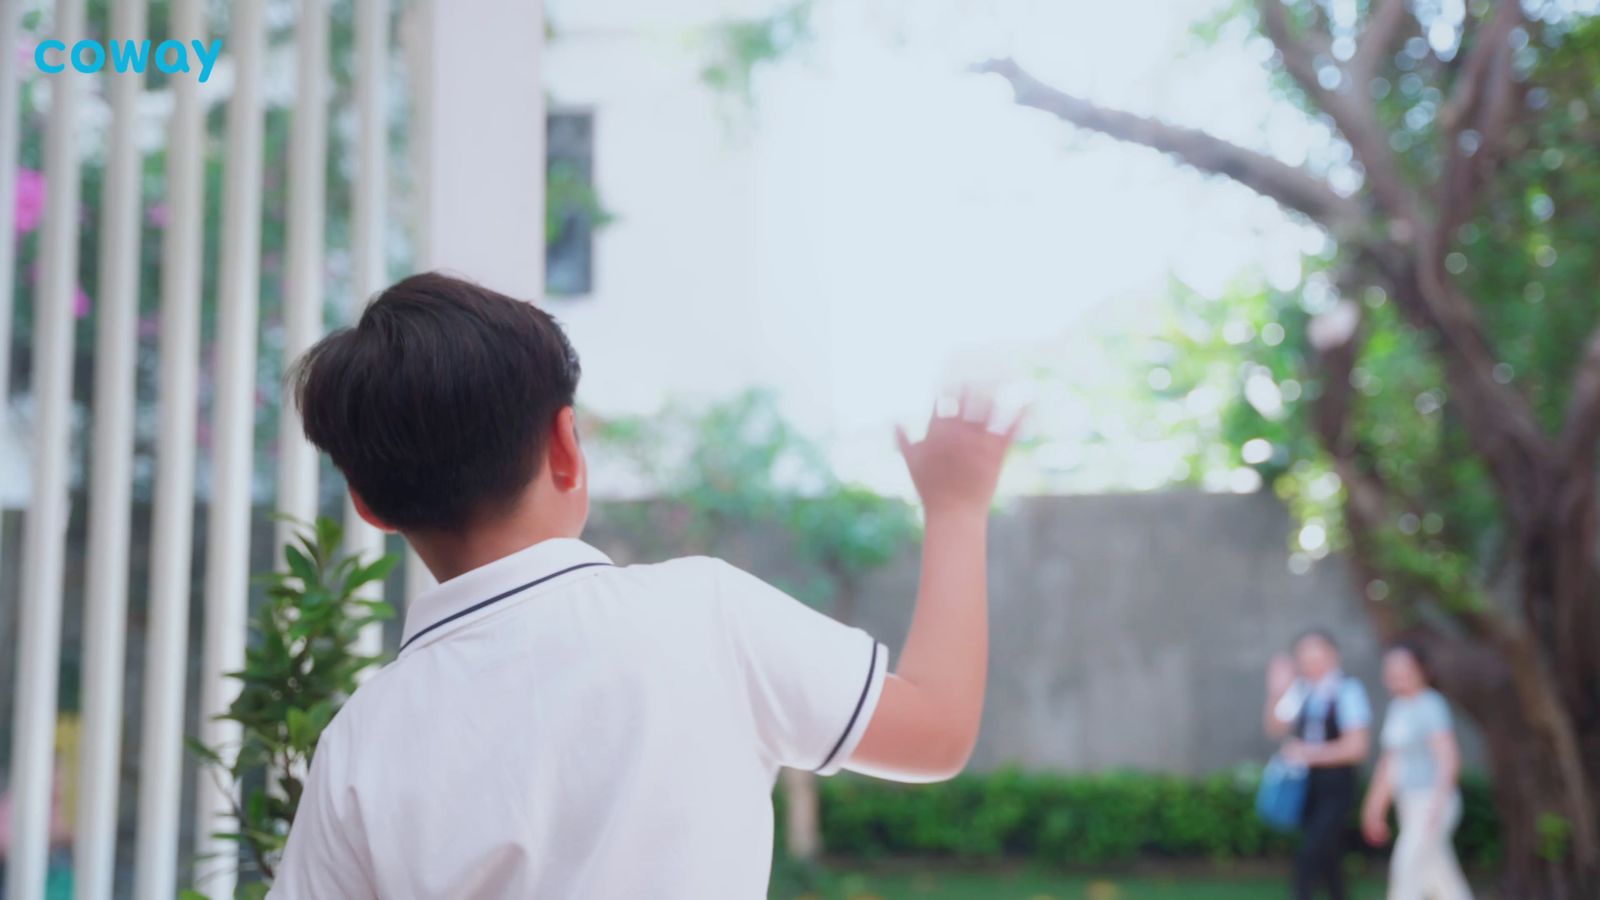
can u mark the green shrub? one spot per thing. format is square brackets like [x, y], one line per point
[301, 665]
[1080, 819]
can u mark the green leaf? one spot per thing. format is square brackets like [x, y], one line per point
[300, 565]
[204, 753]
[378, 570]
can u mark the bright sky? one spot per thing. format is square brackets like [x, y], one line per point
[965, 237]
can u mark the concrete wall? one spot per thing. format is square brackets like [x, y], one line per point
[1128, 631]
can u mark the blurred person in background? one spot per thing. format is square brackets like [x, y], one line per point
[1324, 719]
[1418, 773]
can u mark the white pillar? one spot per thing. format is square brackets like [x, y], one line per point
[303, 282]
[227, 585]
[480, 129]
[369, 270]
[45, 535]
[106, 588]
[167, 638]
[10, 126]
[478, 140]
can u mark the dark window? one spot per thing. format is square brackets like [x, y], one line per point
[572, 208]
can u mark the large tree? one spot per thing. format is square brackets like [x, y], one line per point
[1458, 402]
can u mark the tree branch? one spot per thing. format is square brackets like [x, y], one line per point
[1385, 25]
[1477, 118]
[1503, 428]
[1581, 434]
[1498, 419]
[1290, 186]
[1336, 339]
[1352, 113]
[1299, 56]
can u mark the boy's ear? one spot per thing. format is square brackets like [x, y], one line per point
[366, 514]
[567, 468]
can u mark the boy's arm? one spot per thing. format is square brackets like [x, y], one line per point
[926, 721]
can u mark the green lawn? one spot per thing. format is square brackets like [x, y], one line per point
[1030, 885]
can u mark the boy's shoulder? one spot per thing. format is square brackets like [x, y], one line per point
[705, 572]
[678, 588]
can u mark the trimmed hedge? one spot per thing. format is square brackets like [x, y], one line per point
[1080, 819]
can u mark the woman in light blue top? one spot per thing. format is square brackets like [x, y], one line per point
[1418, 774]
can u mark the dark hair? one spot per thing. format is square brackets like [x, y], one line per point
[1418, 655]
[1320, 634]
[438, 404]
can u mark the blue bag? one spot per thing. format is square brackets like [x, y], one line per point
[1281, 800]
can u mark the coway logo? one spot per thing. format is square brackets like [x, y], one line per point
[172, 57]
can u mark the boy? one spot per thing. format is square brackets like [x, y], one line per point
[558, 727]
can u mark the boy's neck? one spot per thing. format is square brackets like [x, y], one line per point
[450, 554]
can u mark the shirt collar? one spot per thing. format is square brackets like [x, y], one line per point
[523, 569]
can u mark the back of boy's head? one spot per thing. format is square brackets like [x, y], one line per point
[438, 405]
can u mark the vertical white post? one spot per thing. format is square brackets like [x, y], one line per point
[106, 589]
[367, 230]
[481, 142]
[10, 126]
[45, 535]
[478, 137]
[227, 578]
[167, 641]
[303, 284]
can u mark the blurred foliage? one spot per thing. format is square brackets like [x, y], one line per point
[301, 665]
[1103, 819]
[735, 467]
[568, 194]
[741, 47]
[1530, 260]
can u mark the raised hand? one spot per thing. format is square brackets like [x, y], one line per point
[1280, 675]
[957, 465]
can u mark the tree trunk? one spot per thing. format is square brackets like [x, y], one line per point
[802, 815]
[1531, 792]
[1553, 662]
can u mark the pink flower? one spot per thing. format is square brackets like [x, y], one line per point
[30, 200]
[157, 215]
[81, 303]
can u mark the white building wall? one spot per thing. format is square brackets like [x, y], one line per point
[682, 305]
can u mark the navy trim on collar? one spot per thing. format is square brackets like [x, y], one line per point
[483, 604]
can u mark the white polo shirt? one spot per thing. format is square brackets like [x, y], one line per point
[558, 727]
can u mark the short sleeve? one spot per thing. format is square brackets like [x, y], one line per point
[812, 682]
[324, 856]
[1355, 710]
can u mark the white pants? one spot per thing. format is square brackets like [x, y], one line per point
[1424, 865]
